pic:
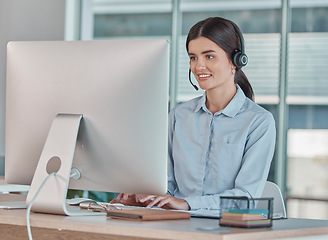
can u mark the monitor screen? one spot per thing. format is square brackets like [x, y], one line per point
[119, 87]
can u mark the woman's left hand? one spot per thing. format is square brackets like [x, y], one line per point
[165, 201]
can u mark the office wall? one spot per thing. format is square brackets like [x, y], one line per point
[25, 20]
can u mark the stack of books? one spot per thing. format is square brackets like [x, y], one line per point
[246, 218]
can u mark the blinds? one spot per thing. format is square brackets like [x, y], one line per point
[307, 68]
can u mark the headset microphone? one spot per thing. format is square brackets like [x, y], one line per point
[196, 88]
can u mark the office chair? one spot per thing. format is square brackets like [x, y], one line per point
[272, 190]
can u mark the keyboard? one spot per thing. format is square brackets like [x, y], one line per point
[116, 206]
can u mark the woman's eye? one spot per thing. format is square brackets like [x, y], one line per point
[192, 58]
[209, 56]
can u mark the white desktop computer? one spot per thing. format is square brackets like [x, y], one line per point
[97, 107]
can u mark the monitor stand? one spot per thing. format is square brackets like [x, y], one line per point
[57, 156]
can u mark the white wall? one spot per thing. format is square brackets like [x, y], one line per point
[26, 20]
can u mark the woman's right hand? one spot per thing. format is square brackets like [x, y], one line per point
[129, 199]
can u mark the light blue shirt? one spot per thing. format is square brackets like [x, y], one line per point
[225, 154]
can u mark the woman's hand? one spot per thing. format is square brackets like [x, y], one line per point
[165, 201]
[130, 199]
[126, 199]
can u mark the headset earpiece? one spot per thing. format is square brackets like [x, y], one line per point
[240, 58]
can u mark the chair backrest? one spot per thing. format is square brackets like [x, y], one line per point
[272, 190]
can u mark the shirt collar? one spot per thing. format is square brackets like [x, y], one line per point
[231, 109]
[201, 103]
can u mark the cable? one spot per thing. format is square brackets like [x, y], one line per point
[30, 206]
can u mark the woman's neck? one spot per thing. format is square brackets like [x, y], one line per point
[218, 99]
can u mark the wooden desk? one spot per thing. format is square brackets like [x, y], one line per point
[44, 226]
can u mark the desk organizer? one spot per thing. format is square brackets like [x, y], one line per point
[246, 212]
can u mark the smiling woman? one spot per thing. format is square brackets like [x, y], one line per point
[221, 143]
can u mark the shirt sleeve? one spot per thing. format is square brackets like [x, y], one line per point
[257, 157]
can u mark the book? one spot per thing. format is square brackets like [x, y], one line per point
[251, 223]
[249, 211]
[147, 214]
[242, 216]
[246, 218]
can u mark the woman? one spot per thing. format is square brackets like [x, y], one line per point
[222, 143]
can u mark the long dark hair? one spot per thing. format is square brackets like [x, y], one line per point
[223, 33]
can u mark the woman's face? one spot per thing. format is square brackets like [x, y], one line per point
[210, 64]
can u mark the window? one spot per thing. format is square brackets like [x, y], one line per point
[307, 162]
[130, 18]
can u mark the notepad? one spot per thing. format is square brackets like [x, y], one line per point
[146, 214]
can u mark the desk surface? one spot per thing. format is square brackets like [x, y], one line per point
[5, 188]
[44, 226]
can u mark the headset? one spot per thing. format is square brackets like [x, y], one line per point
[239, 58]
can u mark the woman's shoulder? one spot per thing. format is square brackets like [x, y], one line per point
[257, 110]
[188, 106]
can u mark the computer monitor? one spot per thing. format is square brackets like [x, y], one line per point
[96, 106]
